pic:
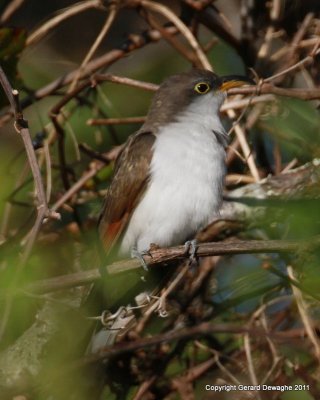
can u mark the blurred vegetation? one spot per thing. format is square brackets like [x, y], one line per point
[44, 336]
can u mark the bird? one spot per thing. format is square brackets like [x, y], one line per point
[167, 184]
[168, 179]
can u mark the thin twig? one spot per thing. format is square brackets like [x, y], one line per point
[62, 15]
[304, 62]
[21, 126]
[173, 41]
[11, 8]
[203, 329]
[107, 25]
[252, 373]
[304, 314]
[166, 12]
[116, 121]
[267, 88]
[245, 147]
[94, 169]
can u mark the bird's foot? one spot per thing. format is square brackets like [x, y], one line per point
[191, 247]
[139, 255]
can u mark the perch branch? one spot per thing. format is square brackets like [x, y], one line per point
[164, 255]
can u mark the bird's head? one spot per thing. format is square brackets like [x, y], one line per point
[201, 92]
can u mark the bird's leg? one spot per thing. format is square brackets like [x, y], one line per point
[139, 255]
[191, 247]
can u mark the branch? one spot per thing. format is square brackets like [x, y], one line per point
[267, 88]
[134, 42]
[204, 329]
[62, 15]
[116, 121]
[10, 9]
[160, 256]
[21, 126]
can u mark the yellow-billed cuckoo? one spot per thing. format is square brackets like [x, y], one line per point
[168, 180]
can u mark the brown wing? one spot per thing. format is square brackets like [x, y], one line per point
[128, 184]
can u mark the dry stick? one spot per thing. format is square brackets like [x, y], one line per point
[22, 176]
[115, 121]
[21, 127]
[305, 317]
[184, 30]
[252, 373]
[58, 118]
[217, 356]
[144, 387]
[159, 304]
[94, 169]
[164, 255]
[265, 87]
[292, 56]
[125, 81]
[274, 16]
[43, 211]
[133, 43]
[236, 179]
[59, 133]
[245, 147]
[242, 103]
[10, 10]
[47, 157]
[260, 313]
[284, 50]
[172, 40]
[137, 42]
[63, 15]
[233, 152]
[233, 104]
[304, 62]
[203, 329]
[110, 18]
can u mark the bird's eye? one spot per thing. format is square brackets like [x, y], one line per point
[202, 88]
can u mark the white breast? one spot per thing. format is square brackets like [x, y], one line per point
[185, 189]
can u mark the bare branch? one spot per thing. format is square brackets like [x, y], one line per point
[116, 121]
[21, 126]
[11, 8]
[184, 30]
[164, 255]
[62, 15]
[204, 329]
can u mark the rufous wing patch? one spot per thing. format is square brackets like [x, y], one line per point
[128, 185]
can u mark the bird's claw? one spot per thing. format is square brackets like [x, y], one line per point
[191, 247]
[139, 255]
